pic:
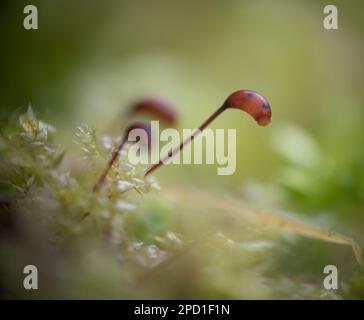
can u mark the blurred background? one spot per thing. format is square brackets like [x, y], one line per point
[90, 59]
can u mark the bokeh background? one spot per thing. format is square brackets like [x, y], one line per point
[90, 59]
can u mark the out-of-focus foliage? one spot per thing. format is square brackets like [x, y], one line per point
[87, 62]
[318, 179]
[120, 243]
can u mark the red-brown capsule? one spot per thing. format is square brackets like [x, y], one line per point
[251, 102]
[157, 108]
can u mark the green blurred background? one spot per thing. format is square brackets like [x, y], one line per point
[89, 59]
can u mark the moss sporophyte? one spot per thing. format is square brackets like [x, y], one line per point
[146, 137]
[246, 100]
[34, 165]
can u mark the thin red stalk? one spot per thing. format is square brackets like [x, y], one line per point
[187, 140]
[114, 157]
